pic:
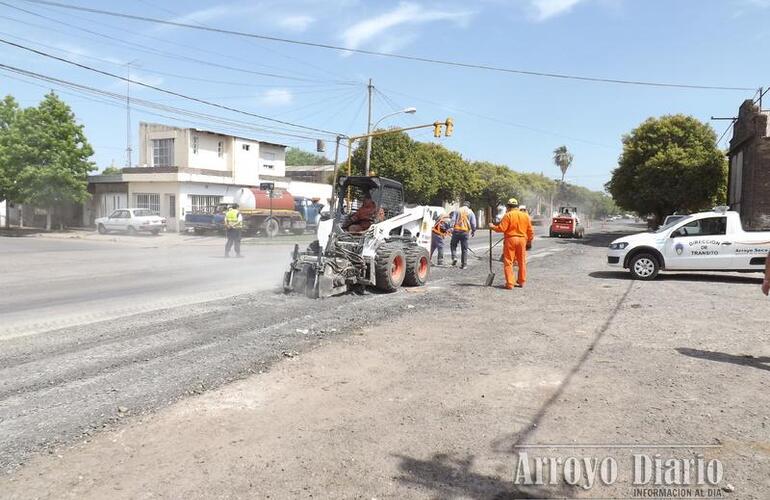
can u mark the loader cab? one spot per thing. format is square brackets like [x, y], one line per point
[353, 193]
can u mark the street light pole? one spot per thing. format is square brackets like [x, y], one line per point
[369, 139]
[370, 87]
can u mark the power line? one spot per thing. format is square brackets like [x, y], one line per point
[116, 100]
[227, 128]
[312, 87]
[155, 51]
[153, 4]
[732, 122]
[386, 54]
[504, 122]
[165, 91]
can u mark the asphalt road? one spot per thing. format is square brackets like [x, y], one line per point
[93, 331]
[57, 283]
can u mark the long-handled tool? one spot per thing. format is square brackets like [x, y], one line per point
[491, 275]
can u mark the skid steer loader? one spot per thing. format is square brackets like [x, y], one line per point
[387, 247]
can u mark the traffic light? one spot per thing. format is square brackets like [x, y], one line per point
[437, 129]
[450, 125]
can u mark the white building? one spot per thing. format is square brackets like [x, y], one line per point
[186, 169]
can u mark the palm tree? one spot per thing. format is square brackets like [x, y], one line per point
[563, 159]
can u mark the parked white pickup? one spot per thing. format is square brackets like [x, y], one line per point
[706, 241]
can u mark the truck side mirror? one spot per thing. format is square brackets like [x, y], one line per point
[325, 216]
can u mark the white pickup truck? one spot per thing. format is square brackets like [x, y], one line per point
[706, 241]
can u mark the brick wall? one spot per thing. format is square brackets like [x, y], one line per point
[750, 142]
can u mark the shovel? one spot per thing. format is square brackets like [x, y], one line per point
[491, 275]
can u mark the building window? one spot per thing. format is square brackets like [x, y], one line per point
[246, 147]
[220, 149]
[150, 201]
[163, 152]
[267, 155]
[195, 144]
[204, 202]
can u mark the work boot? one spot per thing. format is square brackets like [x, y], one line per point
[463, 266]
[227, 256]
[440, 262]
[454, 262]
[239, 256]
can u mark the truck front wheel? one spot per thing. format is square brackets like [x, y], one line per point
[271, 228]
[644, 266]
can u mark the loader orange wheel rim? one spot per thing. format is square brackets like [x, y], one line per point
[422, 267]
[397, 268]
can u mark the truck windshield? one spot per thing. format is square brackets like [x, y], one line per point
[669, 225]
[143, 213]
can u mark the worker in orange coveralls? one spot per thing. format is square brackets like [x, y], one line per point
[517, 229]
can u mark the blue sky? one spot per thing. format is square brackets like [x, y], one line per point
[506, 118]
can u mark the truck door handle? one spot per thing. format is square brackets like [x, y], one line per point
[727, 243]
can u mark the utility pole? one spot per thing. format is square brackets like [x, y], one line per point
[370, 88]
[334, 181]
[128, 114]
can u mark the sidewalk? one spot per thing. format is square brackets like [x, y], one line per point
[434, 404]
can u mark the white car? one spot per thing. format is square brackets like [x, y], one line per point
[707, 241]
[131, 221]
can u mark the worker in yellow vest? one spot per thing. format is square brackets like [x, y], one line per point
[233, 226]
[463, 225]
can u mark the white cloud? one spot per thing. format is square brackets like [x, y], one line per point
[276, 97]
[145, 78]
[205, 16]
[395, 43]
[546, 9]
[296, 23]
[405, 14]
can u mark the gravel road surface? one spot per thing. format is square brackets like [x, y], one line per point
[58, 385]
[429, 393]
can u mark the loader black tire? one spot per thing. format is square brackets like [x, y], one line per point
[390, 267]
[417, 266]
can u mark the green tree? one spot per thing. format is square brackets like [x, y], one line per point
[668, 164]
[429, 172]
[52, 155]
[9, 110]
[296, 157]
[112, 170]
[449, 174]
[498, 183]
[563, 159]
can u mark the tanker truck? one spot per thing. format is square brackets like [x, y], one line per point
[262, 214]
[266, 214]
